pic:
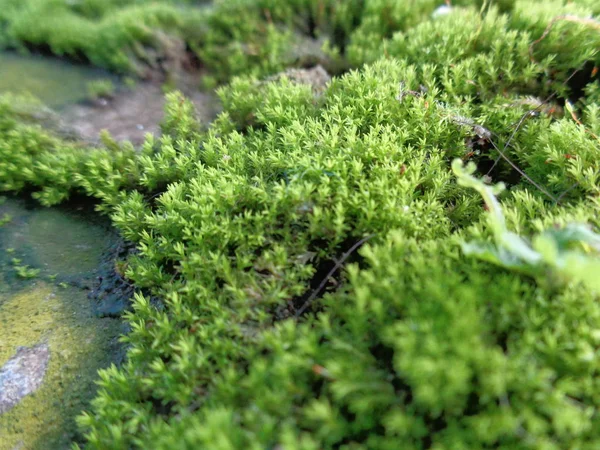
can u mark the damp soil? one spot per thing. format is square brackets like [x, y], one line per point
[132, 113]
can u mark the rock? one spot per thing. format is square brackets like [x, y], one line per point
[316, 77]
[307, 52]
[22, 375]
[440, 11]
[20, 446]
[166, 55]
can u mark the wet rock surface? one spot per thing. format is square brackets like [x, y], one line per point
[56, 82]
[52, 340]
[128, 114]
[22, 375]
[112, 292]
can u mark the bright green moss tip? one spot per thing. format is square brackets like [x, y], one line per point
[413, 343]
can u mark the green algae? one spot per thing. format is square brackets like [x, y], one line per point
[79, 344]
[55, 241]
[55, 82]
[46, 310]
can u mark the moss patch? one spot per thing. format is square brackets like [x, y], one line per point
[259, 324]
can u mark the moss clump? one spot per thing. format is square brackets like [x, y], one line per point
[101, 89]
[258, 340]
[109, 34]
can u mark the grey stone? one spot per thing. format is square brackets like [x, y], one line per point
[316, 77]
[22, 375]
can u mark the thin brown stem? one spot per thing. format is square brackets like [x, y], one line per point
[567, 18]
[523, 174]
[335, 268]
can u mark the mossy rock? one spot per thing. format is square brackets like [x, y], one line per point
[51, 341]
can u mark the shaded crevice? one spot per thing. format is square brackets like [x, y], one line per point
[112, 293]
[580, 79]
[328, 277]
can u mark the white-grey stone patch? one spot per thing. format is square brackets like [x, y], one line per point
[442, 10]
[22, 375]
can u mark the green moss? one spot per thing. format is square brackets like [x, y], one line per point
[246, 337]
[104, 88]
[112, 35]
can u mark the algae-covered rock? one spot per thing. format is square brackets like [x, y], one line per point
[57, 83]
[52, 343]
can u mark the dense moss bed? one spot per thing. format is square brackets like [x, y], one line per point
[407, 258]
